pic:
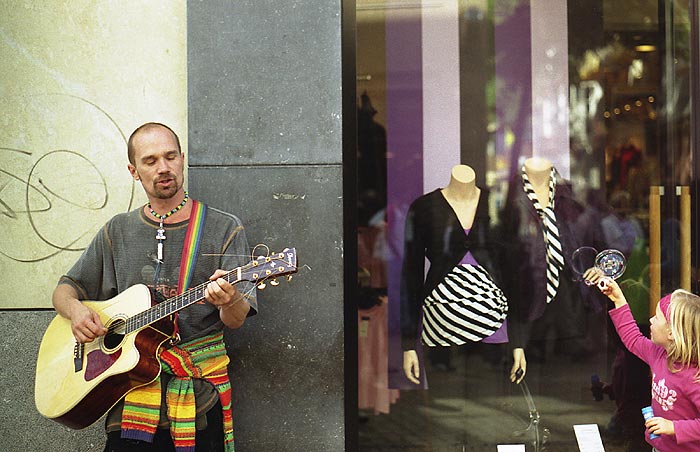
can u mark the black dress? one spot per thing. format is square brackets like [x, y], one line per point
[433, 231]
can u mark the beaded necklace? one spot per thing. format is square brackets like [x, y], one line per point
[160, 233]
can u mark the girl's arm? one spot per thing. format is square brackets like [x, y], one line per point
[685, 430]
[621, 316]
[689, 429]
[630, 335]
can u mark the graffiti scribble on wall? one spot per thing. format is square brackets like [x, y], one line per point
[62, 175]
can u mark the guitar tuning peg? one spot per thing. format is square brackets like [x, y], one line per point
[289, 277]
[262, 286]
[274, 282]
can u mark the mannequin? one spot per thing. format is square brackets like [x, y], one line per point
[463, 196]
[538, 170]
[541, 226]
[545, 302]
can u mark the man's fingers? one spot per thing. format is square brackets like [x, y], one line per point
[217, 274]
[98, 324]
[84, 334]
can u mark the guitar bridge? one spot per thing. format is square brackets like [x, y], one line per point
[78, 350]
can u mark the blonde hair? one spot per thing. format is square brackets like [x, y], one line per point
[684, 320]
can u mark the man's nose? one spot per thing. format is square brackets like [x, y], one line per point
[162, 166]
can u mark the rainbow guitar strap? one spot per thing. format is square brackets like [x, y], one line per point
[190, 250]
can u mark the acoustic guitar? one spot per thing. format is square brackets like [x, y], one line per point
[78, 383]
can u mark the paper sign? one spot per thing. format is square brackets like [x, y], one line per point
[511, 448]
[588, 438]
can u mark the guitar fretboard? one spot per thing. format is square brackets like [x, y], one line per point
[260, 269]
[176, 303]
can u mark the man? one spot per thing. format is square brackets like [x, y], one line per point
[153, 245]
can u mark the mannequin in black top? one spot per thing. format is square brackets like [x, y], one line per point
[444, 226]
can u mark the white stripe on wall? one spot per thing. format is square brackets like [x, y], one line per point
[550, 83]
[441, 126]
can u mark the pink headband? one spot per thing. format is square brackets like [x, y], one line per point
[664, 304]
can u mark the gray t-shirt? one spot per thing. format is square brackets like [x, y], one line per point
[123, 253]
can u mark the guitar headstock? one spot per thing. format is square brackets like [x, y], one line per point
[269, 267]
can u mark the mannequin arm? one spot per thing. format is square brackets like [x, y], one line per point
[519, 363]
[410, 366]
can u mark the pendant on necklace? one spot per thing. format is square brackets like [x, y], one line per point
[160, 233]
[160, 236]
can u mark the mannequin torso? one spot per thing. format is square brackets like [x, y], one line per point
[462, 194]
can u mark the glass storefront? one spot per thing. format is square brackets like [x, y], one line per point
[503, 145]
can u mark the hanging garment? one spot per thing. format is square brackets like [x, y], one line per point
[555, 259]
[373, 391]
[524, 264]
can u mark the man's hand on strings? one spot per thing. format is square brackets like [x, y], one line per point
[233, 309]
[220, 292]
[86, 324]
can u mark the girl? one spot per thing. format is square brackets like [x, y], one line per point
[673, 354]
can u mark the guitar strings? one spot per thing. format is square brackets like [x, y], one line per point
[123, 322]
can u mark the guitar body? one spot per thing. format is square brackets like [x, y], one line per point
[77, 391]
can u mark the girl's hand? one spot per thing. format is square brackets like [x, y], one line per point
[660, 426]
[595, 276]
[606, 285]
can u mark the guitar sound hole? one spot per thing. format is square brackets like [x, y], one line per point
[115, 335]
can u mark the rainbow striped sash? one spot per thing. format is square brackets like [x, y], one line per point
[203, 358]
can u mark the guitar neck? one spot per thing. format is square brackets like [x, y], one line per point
[176, 303]
[258, 270]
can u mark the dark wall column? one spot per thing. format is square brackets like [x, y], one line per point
[265, 143]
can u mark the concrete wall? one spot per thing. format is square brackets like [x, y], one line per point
[21, 427]
[265, 143]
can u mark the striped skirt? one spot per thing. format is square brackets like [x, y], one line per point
[466, 306]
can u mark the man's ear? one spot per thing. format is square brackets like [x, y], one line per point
[132, 170]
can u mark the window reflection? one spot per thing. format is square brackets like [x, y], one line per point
[597, 90]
